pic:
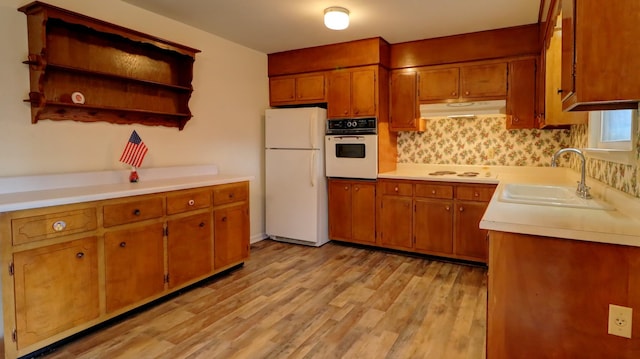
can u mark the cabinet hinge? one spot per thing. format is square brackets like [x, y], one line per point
[14, 336]
[166, 278]
[165, 231]
[11, 269]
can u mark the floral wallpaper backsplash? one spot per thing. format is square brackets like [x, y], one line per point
[481, 141]
[625, 178]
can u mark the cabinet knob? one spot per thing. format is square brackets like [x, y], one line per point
[191, 202]
[559, 91]
[136, 212]
[59, 226]
[80, 254]
[461, 209]
[357, 189]
[454, 93]
[201, 224]
[396, 189]
[476, 194]
[447, 208]
[515, 120]
[433, 191]
[123, 244]
[231, 195]
[346, 188]
[467, 93]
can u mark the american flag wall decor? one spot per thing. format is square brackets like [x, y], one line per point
[134, 151]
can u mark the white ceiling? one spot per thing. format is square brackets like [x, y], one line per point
[272, 26]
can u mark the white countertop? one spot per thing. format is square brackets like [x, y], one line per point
[620, 226]
[51, 190]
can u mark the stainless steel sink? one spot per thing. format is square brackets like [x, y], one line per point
[545, 195]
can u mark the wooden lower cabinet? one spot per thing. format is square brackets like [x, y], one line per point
[189, 248]
[433, 226]
[134, 264]
[51, 280]
[74, 266]
[438, 218]
[549, 297]
[352, 208]
[231, 225]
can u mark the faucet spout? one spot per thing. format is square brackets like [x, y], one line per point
[582, 191]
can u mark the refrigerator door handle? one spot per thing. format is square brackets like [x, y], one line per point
[312, 168]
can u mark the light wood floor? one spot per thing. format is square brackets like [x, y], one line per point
[292, 301]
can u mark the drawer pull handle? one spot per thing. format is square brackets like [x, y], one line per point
[59, 226]
[80, 254]
[136, 212]
[201, 224]
[123, 244]
[191, 202]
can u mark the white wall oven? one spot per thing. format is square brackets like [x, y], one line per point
[351, 148]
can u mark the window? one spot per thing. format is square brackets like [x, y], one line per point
[612, 135]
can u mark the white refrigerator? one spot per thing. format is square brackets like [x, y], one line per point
[296, 186]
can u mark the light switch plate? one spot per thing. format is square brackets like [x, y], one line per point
[620, 320]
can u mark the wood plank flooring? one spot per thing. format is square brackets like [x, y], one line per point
[292, 301]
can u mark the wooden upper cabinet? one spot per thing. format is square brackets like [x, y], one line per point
[440, 84]
[521, 99]
[404, 114]
[600, 55]
[553, 114]
[352, 93]
[483, 81]
[297, 89]
[123, 76]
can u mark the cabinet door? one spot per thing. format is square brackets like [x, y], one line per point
[433, 226]
[521, 99]
[470, 241]
[404, 104]
[231, 235]
[56, 288]
[363, 93]
[363, 212]
[483, 81]
[396, 221]
[340, 210]
[282, 90]
[339, 94]
[134, 265]
[567, 49]
[189, 248]
[441, 84]
[310, 88]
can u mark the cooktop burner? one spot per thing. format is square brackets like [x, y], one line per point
[468, 174]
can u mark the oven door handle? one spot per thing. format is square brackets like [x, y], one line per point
[350, 137]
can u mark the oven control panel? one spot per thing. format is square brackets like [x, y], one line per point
[352, 125]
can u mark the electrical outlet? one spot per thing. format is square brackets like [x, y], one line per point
[620, 320]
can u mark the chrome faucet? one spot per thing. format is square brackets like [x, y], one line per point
[582, 191]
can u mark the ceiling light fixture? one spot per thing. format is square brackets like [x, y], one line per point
[336, 18]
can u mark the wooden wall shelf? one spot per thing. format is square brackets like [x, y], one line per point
[125, 76]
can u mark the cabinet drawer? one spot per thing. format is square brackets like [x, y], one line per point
[229, 193]
[128, 212]
[397, 188]
[475, 193]
[188, 201]
[36, 228]
[434, 191]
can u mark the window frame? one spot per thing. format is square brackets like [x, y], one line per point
[613, 151]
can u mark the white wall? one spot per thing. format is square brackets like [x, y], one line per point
[230, 96]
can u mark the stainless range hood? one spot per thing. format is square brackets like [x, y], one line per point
[463, 109]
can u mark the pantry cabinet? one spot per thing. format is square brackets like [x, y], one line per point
[297, 89]
[73, 266]
[600, 55]
[352, 208]
[352, 92]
